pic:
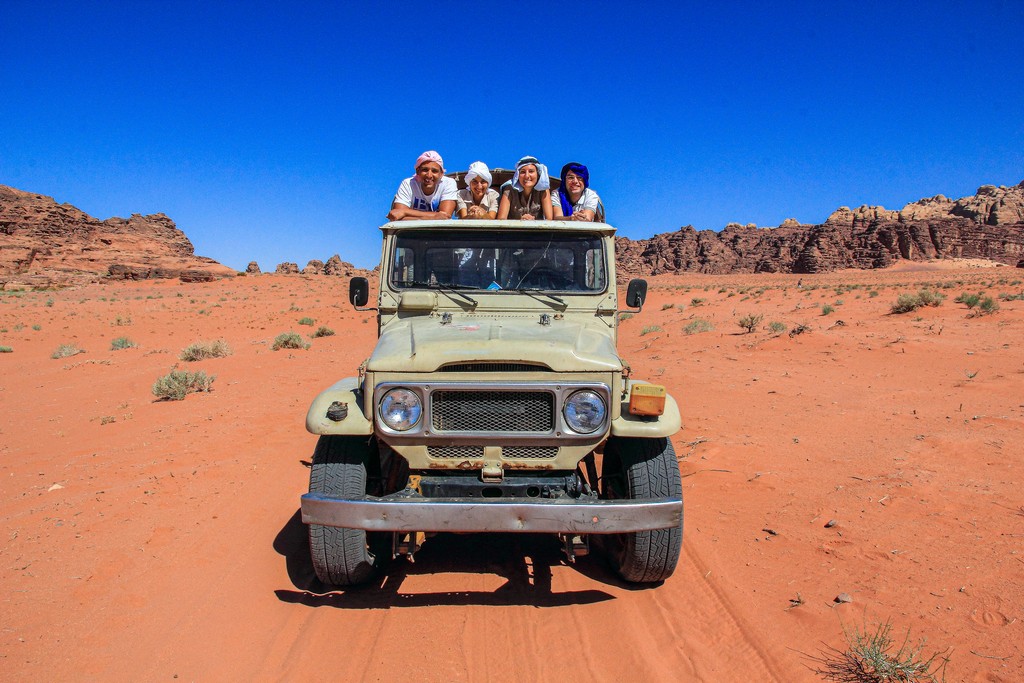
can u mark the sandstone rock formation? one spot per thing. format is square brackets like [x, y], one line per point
[987, 225]
[253, 268]
[43, 243]
[287, 268]
[334, 267]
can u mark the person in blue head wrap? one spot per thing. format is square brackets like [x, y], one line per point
[529, 196]
[575, 200]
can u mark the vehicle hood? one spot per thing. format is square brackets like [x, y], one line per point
[425, 344]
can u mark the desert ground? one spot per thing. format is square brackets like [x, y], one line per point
[866, 470]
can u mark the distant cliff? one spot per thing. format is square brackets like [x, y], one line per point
[43, 243]
[986, 225]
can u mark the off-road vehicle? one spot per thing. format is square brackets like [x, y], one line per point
[494, 401]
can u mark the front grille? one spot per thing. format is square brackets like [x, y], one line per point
[493, 411]
[494, 367]
[461, 452]
[529, 452]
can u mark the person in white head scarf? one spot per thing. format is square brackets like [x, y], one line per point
[529, 196]
[477, 200]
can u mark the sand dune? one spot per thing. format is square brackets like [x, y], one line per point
[875, 455]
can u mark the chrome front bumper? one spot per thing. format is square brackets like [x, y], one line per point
[404, 513]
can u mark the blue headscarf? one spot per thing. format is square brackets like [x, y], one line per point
[563, 198]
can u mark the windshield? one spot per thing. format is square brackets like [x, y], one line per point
[496, 261]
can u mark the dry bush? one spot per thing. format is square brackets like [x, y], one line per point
[204, 350]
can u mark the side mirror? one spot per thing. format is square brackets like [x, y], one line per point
[636, 293]
[359, 291]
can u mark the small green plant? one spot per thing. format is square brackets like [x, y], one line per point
[873, 293]
[827, 309]
[123, 320]
[776, 328]
[750, 322]
[929, 297]
[905, 303]
[177, 384]
[986, 306]
[6, 349]
[121, 343]
[322, 331]
[204, 350]
[289, 340]
[37, 327]
[873, 657]
[967, 299]
[666, 307]
[698, 325]
[622, 317]
[307, 321]
[49, 303]
[65, 351]
[649, 329]
[697, 301]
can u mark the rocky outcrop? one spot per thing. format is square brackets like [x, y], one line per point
[253, 268]
[43, 243]
[287, 268]
[987, 225]
[334, 267]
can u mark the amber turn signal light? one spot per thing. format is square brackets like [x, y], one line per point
[647, 399]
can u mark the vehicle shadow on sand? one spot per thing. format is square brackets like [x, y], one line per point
[524, 560]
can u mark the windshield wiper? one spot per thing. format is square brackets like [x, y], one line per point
[446, 287]
[537, 290]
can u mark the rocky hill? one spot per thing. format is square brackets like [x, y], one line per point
[43, 243]
[986, 225]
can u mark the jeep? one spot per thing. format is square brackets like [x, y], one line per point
[494, 401]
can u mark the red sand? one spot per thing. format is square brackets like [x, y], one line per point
[173, 549]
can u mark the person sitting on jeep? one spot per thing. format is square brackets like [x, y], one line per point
[428, 195]
[529, 197]
[575, 201]
[478, 200]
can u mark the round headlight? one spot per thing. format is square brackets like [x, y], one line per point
[400, 409]
[584, 411]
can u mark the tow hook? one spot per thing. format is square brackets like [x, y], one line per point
[574, 545]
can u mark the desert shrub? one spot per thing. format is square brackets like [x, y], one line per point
[289, 340]
[986, 306]
[873, 657]
[698, 325]
[66, 350]
[307, 321]
[776, 328]
[750, 322]
[204, 350]
[121, 343]
[873, 293]
[968, 299]
[826, 309]
[649, 329]
[905, 303]
[929, 297]
[623, 317]
[177, 384]
[6, 349]
[123, 320]
[1006, 296]
[697, 301]
[666, 307]
[322, 331]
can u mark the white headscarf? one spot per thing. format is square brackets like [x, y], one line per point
[478, 169]
[543, 181]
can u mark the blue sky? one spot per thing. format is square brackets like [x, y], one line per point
[279, 131]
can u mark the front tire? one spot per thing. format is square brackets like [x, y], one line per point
[340, 555]
[642, 468]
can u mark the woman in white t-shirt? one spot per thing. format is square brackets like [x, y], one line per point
[477, 200]
[575, 201]
[428, 195]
